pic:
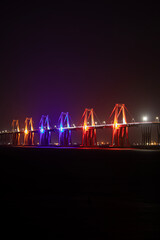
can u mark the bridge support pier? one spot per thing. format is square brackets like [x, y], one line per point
[45, 138]
[89, 138]
[146, 135]
[65, 138]
[16, 138]
[120, 137]
[29, 138]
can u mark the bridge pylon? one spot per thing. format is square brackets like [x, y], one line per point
[45, 134]
[16, 133]
[28, 133]
[64, 133]
[89, 132]
[120, 129]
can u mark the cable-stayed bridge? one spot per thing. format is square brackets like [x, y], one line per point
[88, 127]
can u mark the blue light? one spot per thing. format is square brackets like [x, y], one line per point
[42, 130]
[61, 129]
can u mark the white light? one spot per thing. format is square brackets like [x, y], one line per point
[145, 118]
[96, 123]
[104, 122]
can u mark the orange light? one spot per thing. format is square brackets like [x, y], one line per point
[26, 131]
[115, 125]
[85, 127]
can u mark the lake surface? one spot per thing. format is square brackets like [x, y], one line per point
[53, 193]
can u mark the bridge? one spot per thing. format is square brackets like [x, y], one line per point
[88, 128]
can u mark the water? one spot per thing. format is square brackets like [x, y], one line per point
[80, 193]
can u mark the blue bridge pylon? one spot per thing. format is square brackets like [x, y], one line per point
[45, 134]
[64, 134]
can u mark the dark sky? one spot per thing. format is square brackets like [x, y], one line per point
[66, 57]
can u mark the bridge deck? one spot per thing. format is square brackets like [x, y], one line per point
[100, 126]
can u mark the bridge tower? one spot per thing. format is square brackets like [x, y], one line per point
[89, 132]
[120, 129]
[64, 133]
[45, 134]
[28, 134]
[16, 133]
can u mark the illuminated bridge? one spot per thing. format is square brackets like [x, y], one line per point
[88, 128]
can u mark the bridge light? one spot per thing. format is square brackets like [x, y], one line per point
[157, 119]
[115, 125]
[26, 131]
[104, 122]
[42, 130]
[61, 129]
[85, 127]
[145, 118]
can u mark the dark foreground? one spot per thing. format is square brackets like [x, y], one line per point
[79, 194]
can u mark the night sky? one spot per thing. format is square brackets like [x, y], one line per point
[66, 57]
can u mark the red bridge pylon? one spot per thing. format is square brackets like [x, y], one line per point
[28, 134]
[16, 133]
[120, 129]
[89, 133]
